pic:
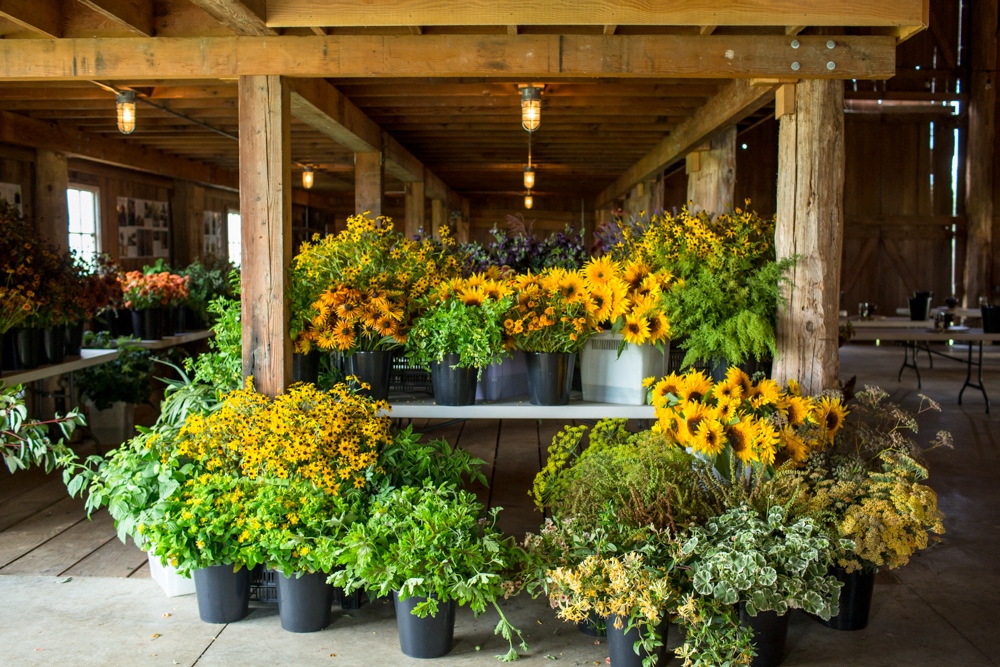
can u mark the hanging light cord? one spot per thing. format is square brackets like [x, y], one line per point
[529, 148]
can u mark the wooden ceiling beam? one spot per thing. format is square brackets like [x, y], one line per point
[42, 18]
[244, 17]
[735, 102]
[135, 15]
[534, 57]
[299, 13]
[22, 131]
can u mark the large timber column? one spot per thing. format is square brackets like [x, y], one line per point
[266, 214]
[439, 216]
[368, 179]
[415, 208]
[712, 182]
[810, 224]
[51, 208]
[979, 203]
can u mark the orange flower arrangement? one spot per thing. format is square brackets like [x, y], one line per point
[553, 312]
[153, 290]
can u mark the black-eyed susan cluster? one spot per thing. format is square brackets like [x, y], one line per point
[552, 312]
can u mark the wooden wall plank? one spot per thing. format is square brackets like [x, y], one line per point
[51, 208]
[712, 187]
[416, 206]
[266, 212]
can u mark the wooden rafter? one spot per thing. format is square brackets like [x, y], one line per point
[44, 19]
[136, 15]
[733, 103]
[411, 56]
[23, 131]
[244, 17]
[298, 13]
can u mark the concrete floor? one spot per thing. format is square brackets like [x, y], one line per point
[939, 610]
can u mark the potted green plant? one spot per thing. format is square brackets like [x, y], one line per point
[459, 333]
[205, 284]
[297, 527]
[110, 391]
[149, 295]
[431, 549]
[25, 442]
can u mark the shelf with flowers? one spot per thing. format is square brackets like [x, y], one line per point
[149, 294]
[358, 292]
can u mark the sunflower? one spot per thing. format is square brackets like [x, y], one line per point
[830, 415]
[766, 444]
[659, 327]
[692, 415]
[635, 273]
[602, 300]
[475, 280]
[795, 448]
[472, 296]
[571, 287]
[327, 340]
[709, 438]
[665, 387]
[741, 437]
[344, 334]
[636, 329]
[735, 375]
[765, 392]
[495, 290]
[726, 409]
[727, 390]
[797, 409]
[599, 271]
[695, 386]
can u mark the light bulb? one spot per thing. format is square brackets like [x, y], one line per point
[307, 178]
[531, 108]
[125, 101]
[529, 177]
[529, 201]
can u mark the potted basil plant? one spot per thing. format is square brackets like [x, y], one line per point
[427, 547]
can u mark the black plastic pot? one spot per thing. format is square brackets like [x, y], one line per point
[621, 644]
[28, 348]
[119, 322]
[54, 344]
[920, 307]
[8, 353]
[374, 369]
[855, 599]
[304, 602]
[149, 323]
[305, 367]
[223, 595]
[429, 637]
[550, 375]
[175, 315]
[453, 385]
[769, 634]
[593, 625]
[74, 339]
[991, 319]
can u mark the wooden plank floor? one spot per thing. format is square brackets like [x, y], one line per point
[45, 532]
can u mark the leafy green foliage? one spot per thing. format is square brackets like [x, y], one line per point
[222, 366]
[128, 379]
[409, 461]
[25, 442]
[433, 542]
[206, 284]
[473, 332]
[727, 312]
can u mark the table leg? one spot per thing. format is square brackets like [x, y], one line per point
[979, 376]
[908, 348]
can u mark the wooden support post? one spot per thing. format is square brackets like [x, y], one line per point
[978, 276]
[51, 209]
[810, 224]
[187, 209]
[711, 187]
[416, 206]
[266, 215]
[439, 216]
[369, 176]
[464, 229]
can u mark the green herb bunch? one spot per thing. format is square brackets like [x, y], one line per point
[128, 379]
[434, 542]
[25, 442]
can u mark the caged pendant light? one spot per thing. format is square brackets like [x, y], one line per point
[531, 107]
[125, 102]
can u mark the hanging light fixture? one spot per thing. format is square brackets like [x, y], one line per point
[308, 176]
[529, 201]
[125, 101]
[531, 107]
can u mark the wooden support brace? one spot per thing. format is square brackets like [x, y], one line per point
[784, 100]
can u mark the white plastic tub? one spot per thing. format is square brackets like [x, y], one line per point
[608, 378]
[166, 576]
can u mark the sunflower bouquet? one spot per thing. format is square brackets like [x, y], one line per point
[740, 422]
[368, 281]
[552, 311]
[463, 316]
[628, 297]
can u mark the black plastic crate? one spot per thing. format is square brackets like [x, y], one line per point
[409, 379]
[264, 589]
